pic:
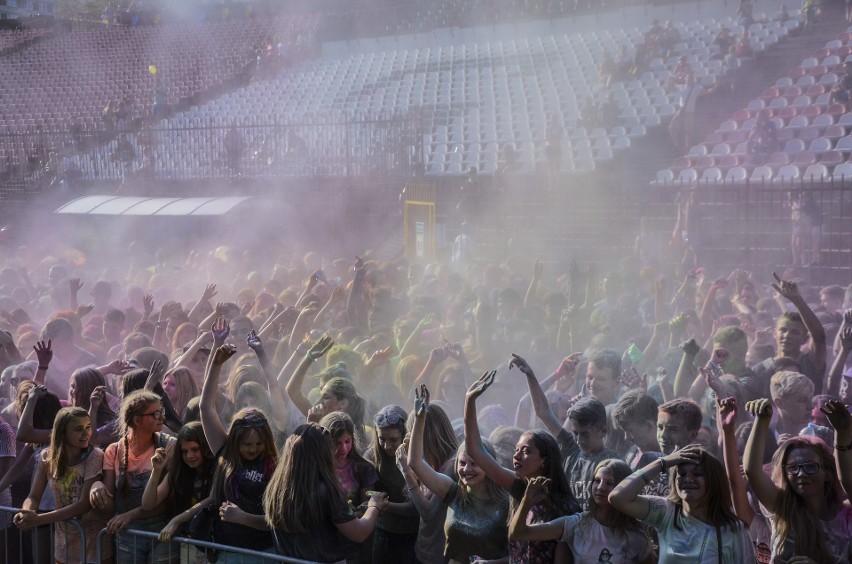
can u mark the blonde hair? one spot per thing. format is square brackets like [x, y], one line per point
[58, 459]
[132, 406]
[786, 382]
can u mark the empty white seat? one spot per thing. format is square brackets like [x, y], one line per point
[736, 174]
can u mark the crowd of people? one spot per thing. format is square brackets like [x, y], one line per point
[331, 410]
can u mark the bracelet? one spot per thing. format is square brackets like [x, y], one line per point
[843, 448]
[410, 489]
[644, 478]
[373, 506]
[663, 467]
[41, 367]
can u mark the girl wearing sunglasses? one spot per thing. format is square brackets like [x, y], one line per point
[804, 488]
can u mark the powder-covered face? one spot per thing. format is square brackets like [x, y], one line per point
[469, 472]
[342, 447]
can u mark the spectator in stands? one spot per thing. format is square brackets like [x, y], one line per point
[743, 48]
[807, 221]
[682, 125]
[668, 38]
[680, 74]
[554, 132]
[724, 40]
[842, 91]
[745, 13]
[234, 149]
[624, 64]
[124, 152]
[606, 69]
[762, 140]
[607, 112]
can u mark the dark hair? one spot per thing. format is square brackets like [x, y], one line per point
[633, 406]
[181, 478]
[560, 491]
[45, 411]
[588, 411]
[686, 409]
[793, 316]
[114, 316]
[388, 417]
[608, 358]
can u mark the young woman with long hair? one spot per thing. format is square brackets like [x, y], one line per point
[179, 386]
[127, 467]
[355, 475]
[695, 523]
[305, 506]
[188, 478]
[439, 450]
[475, 524]
[396, 530]
[245, 460]
[88, 389]
[536, 454]
[602, 530]
[804, 494]
[68, 469]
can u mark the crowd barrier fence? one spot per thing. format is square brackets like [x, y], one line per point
[36, 546]
[152, 538]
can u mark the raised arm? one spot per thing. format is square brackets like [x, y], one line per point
[208, 294]
[539, 399]
[763, 487]
[26, 432]
[276, 396]
[438, 483]
[835, 376]
[686, 370]
[210, 422]
[838, 416]
[503, 477]
[519, 529]
[157, 489]
[199, 343]
[303, 324]
[625, 497]
[726, 420]
[565, 370]
[532, 289]
[790, 291]
[427, 504]
[44, 354]
[294, 386]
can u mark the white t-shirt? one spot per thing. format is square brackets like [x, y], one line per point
[592, 542]
[838, 536]
[686, 540]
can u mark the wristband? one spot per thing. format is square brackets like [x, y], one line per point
[663, 466]
[41, 367]
[644, 478]
[843, 448]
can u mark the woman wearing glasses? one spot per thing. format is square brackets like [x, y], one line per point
[396, 529]
[127, 466]
[804, 489]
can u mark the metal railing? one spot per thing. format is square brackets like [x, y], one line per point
[152, 538]
[36, 545]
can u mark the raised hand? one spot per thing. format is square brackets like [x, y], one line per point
[74, 284]
[37, 392]
[455, 350]
[712, 380]
[690, 454]
[438, 355]
[224, 353]
[209, 292]
[157, 370]
[483, 383]
[690, 347]
[221, 329]
[631, 378]
[44, 352]
[837, 414]
[316, 413]
[718, 284]
[318, 349]
[569, 365]
[538, 489]
[158, 461]
[421, 400]
[147, 305]
[338, 294]
[761, 408]
[846, 338]
[379, 357]
[117, 366]
[847, 317]
[401, 455]
[521, 365]
[789, 290]
[84, 309]
[359, 264]
[98, 397]
[726, 413]
[246, 308]
[254, 342]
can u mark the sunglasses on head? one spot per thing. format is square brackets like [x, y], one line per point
[389, 419]
[250, 422]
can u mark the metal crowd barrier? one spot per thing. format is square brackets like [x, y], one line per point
[248, 556]
[36, 546]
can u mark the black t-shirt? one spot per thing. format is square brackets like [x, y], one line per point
[322, 542]
[245, 489]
